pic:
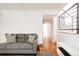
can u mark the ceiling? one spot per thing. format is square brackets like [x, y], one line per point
[32, 6]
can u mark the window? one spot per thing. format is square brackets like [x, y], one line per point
[69, 21]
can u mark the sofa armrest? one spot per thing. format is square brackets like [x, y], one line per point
[35, 46]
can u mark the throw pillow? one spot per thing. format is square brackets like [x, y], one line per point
[11, 38]
[31, 38]
[2, 38]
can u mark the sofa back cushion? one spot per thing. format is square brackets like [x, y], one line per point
[26, 38]
[20, 38]
[26, 46]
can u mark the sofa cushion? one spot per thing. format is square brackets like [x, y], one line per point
[26, 45]
[12, 46]
[20, 38]
[2, 45]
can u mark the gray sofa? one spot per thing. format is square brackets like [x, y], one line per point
[19, 47]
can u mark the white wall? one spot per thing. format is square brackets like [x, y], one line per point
[2, 36]
[1, 20]
[20, 21]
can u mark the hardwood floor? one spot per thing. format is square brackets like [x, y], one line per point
[48, 48]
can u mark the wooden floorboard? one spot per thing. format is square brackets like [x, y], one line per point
[50, 48]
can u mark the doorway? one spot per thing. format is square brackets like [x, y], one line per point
[47, 28]
[49, 45]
